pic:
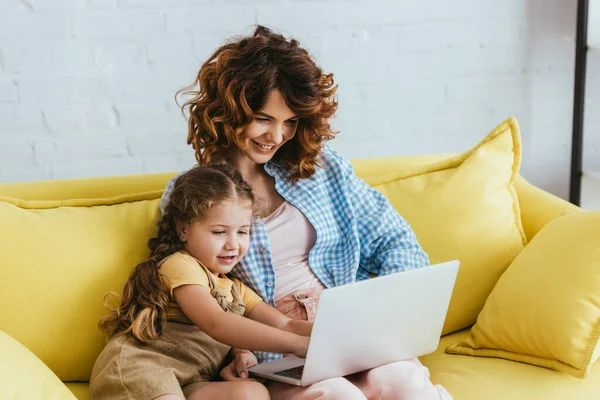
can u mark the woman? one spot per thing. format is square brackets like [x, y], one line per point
[261, 104]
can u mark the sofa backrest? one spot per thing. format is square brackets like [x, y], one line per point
[67, 243]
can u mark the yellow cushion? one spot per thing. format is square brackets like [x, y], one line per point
[465, 207]
[86, 188]
[473, 378]
[545, 310]
[57, 260]
[24, 376]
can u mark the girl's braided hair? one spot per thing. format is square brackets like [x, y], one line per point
[145, 297]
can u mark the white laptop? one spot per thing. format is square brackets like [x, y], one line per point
[371, 323]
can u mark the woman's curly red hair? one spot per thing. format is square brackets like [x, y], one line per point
[235, 82]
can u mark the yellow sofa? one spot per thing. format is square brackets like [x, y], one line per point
[51, 293]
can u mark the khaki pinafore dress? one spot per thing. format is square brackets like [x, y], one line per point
[180, 361]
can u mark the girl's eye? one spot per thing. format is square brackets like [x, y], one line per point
[219, 232]
[243, 232]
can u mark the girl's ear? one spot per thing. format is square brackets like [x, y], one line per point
[182, 231]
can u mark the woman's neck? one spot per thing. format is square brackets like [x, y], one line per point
[249, 169]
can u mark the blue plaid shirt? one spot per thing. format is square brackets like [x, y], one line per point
[358, 231]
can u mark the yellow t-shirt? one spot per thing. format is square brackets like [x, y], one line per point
[182, 269]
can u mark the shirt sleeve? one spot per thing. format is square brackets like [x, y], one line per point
[179, 270]
[249, 296]
[387, 242]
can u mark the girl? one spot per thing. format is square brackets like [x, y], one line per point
[261, 104]
[179, 314]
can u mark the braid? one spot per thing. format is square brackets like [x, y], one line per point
[145, 299]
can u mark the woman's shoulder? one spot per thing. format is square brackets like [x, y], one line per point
[332, 164]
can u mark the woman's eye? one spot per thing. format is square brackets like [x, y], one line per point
[262, 120]
[292, 123]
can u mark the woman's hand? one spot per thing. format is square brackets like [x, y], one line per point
[301, 346]
[237, 370]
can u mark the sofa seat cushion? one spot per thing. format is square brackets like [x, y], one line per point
[81, 390]
[474, 378]
[471, 378]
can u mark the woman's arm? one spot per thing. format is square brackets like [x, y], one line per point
[387, 242]
[234, 330]
[264, 313]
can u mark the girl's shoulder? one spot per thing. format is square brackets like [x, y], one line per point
[179, 258]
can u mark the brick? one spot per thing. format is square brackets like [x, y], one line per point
[20, 118]
[99, 4]
[117, 56]
[73, 148]
[16, 149]
[78, 118]
[393, 12]
[143, 86]
[63, 89]
[167, 4]
[158, 143]
[475, 8]
[286, 17]
[34, 26]
[45, 5]
[24, 174]
[119, 24]
[487, 89]
[173, 54]
[221, 21]
[204, 47]
[48, 56]
[96, 168]
[153, 115]
[158, 164]
[8, 91]
[10, 6]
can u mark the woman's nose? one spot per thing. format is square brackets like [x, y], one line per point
[276, 134]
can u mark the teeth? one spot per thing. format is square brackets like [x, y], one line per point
[262, 146]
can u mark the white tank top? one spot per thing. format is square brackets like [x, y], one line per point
[291, 237]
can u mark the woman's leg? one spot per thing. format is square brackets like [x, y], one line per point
[403, 380]
[233, 390]
[329, 389]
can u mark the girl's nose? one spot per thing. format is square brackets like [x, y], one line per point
[231, 244]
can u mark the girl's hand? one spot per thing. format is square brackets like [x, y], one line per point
[302, 346]
[237, 370]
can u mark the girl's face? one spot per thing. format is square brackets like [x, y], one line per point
[272, 126]
[220, 240]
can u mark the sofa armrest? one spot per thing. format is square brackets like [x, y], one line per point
[539, 207]
[24, 376]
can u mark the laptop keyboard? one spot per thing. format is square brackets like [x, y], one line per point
[295, 373]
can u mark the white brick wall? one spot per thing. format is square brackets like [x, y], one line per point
[87, 86]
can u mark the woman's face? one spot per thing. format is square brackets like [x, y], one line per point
[272, 126]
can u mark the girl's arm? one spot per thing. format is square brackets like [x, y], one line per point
[234, 330]
[264, 313]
